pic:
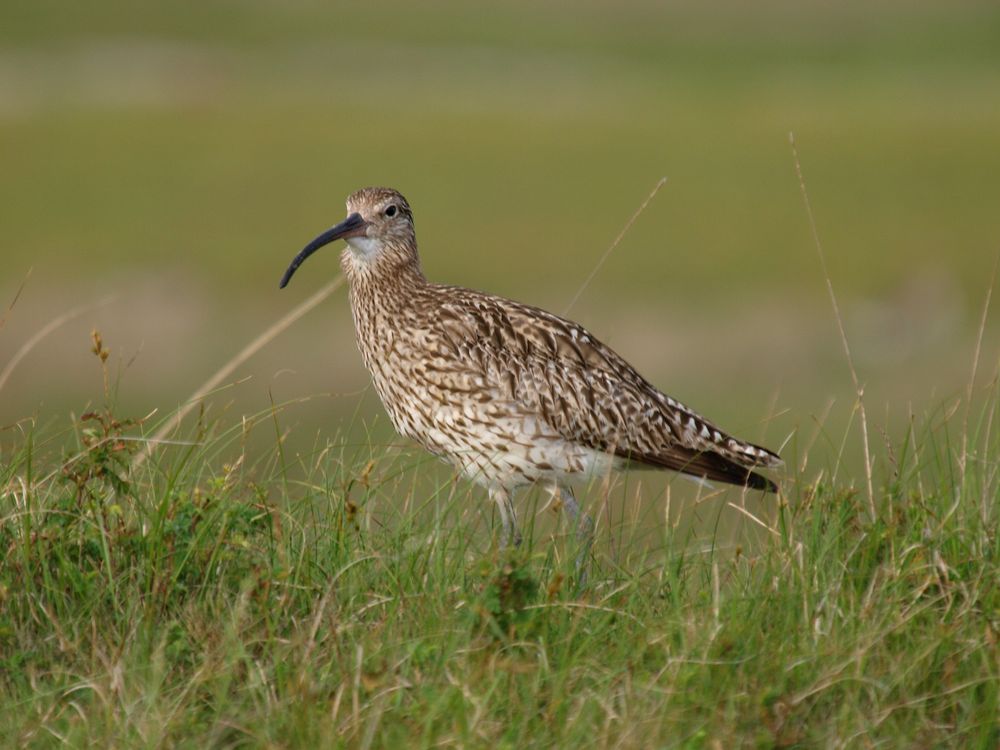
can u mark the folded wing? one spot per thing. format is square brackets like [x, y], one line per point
[557, 370]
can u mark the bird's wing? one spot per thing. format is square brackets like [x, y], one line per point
[589, 394]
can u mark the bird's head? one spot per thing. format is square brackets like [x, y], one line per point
[378, 231]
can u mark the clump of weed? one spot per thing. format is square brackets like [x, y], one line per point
[100, 468]
[504, 593]
[104, 462]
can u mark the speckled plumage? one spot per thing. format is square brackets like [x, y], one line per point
[508, 393]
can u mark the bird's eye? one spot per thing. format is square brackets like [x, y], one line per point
[391, 211]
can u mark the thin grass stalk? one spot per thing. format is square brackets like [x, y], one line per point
[227, 369]
[858, 389]
[963, 461]
[607, 253]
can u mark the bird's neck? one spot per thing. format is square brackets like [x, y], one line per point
[385, 284]
[384, 304]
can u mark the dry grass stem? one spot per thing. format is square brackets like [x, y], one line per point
[227, 369]
[611, 248]
[17, 296]
[858, 389]
[975, 369]
[49, 327]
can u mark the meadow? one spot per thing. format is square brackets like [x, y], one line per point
[283, 570]
[207, 597]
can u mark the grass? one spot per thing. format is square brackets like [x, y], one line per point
[331, 598]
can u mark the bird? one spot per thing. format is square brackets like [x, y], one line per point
[509, 394]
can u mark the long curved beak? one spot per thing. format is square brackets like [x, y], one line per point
[352, 226]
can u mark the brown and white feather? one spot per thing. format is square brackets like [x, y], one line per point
[507, 392]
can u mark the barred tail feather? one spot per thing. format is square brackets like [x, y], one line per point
[708, 465]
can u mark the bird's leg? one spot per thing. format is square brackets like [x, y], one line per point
[584, 527]
[507, 517]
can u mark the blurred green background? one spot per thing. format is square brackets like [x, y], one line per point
[175, 156]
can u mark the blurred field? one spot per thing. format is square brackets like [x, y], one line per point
[175, 157]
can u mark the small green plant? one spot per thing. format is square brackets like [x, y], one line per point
[100, 468]
[104, 462]
[505, 588]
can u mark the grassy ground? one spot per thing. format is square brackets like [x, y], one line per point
[207, 598]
